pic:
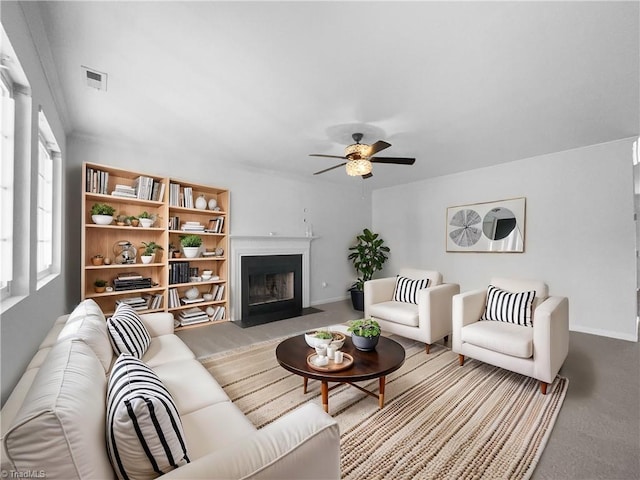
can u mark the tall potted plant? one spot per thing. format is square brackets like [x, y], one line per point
[368, 256]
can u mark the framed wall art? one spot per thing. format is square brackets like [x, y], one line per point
[496, 227]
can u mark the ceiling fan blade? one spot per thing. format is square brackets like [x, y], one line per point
[368, 175]
[330, 168]
[379, 146]
[394, 160]
[326, 156]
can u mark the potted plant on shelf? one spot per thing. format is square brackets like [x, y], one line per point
[191, 245]
[146, 219]
[368, 256]
[149, 251]
[99, 285]
[102, 214]
[133, 220]
[365, 334]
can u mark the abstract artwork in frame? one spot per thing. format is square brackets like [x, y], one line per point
[496, 227]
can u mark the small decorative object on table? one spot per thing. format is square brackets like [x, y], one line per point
[324, 337]
[365, 334]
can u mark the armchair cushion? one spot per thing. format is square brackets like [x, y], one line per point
[407, 289]
[398, 312]
[504, 306]
[500, 337]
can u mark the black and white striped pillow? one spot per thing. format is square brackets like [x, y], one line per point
[127, 332]
[503, 306]
[407, 289]
[144, 432]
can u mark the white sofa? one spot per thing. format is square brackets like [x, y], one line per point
[427, 321]
[53, 423]
[536, 351]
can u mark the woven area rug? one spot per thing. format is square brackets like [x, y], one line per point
[440, 420]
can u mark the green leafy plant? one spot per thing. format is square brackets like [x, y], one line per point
[102, 209]
[150, 248]
[366, 327]
[148, 215]
[368, 256]
[323, 335]
[190, 241]
[100, 283]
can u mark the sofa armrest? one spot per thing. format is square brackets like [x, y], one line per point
[466, 308]
[159, 323]
[304, 444]
[550, 337]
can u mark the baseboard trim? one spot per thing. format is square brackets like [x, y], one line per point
[330, 300]
[605, 333]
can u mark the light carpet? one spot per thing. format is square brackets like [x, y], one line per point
[440, 420]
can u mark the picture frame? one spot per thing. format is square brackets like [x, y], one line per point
[490, 227]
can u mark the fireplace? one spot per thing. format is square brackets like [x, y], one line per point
[271, 288]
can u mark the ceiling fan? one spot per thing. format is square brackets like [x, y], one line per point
[359, 157]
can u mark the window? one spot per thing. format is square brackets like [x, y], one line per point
[48, 157]
[6, 186]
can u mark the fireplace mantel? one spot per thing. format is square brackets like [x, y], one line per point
[242, 245]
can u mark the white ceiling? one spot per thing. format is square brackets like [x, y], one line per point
[263, 84]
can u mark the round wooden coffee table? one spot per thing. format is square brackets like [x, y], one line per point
[386, 358]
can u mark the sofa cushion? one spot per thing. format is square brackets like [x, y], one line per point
[144, 431]
[503, 306]
[59, 429]
[87, 323]
[501, 337]
[407, 289]
[166, 349]
[127, 332]
[398, 312]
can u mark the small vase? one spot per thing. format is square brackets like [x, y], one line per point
[192, 293]
[213, 203]
[146, 258]
[191, 252]
[201, 202]
[97, 260]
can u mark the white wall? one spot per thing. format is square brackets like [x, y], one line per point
[25, 324]
[261, 202]
[580, 232]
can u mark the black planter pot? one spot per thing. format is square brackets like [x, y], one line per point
[357, 299]
[366, 344]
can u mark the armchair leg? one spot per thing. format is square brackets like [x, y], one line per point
[427, 347]
[543, 388]
[461, 359]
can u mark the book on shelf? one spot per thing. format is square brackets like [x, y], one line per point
[174, 195]
[188, 301]
[219, 292]
[192, 312]
[215, 225]
[128, 276]
[192, 321]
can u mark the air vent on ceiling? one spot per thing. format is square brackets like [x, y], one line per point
[94, 79]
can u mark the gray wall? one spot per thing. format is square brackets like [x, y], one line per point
[580, 231]
[24, 325]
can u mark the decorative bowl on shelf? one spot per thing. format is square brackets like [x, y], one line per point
[191, 252]
[102, 219]
[206, 278]
[208, 297]
[146, 222]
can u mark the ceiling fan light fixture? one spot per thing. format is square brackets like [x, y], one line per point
[358, 167]
[357, 150]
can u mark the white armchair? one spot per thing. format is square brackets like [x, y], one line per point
[537, 351]
[427, 321]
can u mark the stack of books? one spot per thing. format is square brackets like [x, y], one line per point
[192, 227]
[131, 281]
[124, 191]
[178, 272]
[137, 303]
[154, 302]
[192, 316]
[188, 301]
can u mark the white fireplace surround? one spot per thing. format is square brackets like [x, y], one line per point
[242, 245]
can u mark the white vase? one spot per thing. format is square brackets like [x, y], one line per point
[146, 222]
[201, 202]
[191, 252]
[146, 258]
[192, 293]
[213, 203]
[102, 219]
